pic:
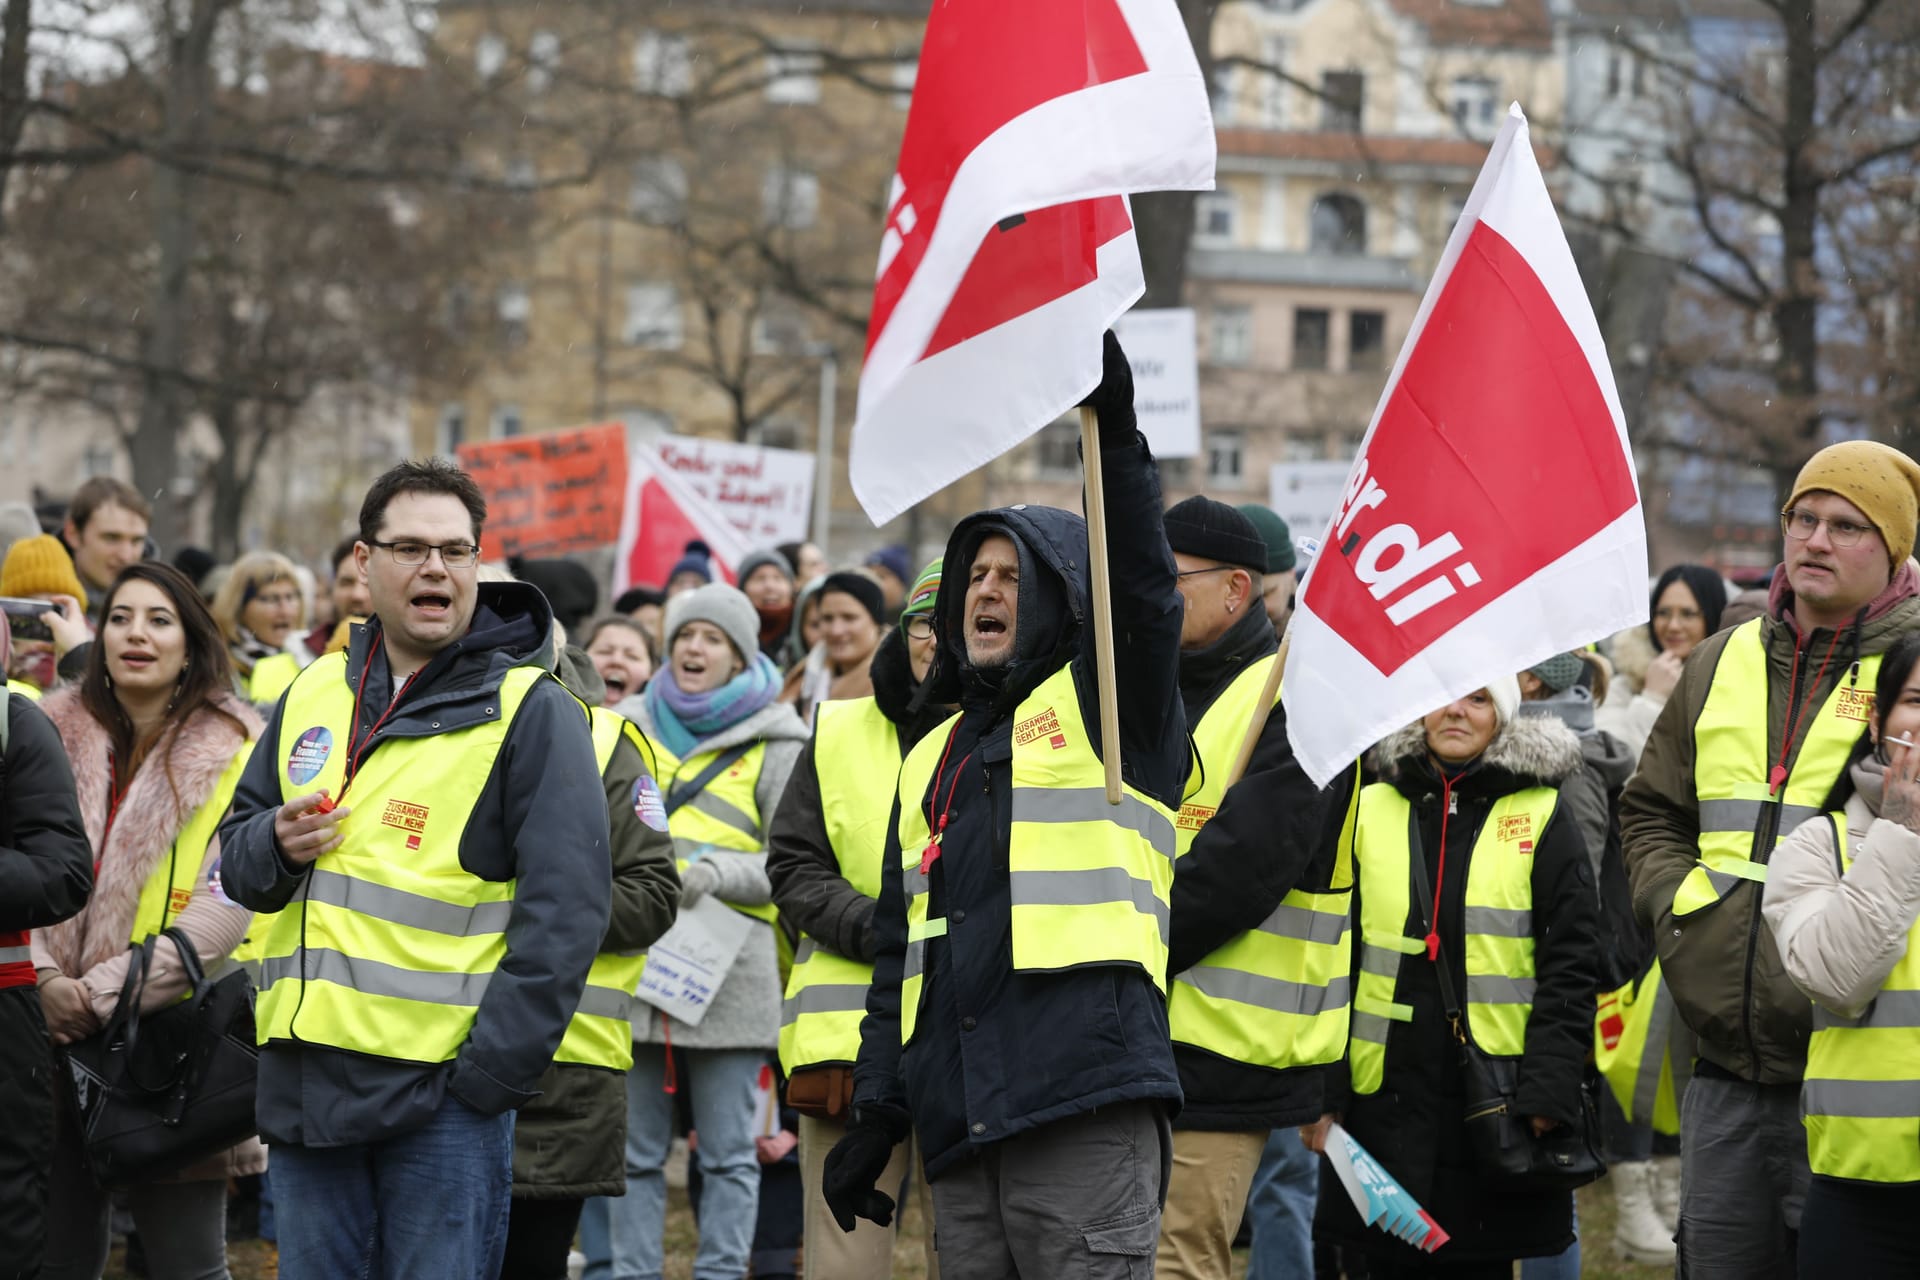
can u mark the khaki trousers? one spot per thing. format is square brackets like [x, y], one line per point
[866, 1252]
[1206, 1197]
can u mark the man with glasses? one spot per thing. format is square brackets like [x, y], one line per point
[426, 816]
[1761, 727]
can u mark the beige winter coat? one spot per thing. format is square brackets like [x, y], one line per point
[1629, 711]
[1840, 936]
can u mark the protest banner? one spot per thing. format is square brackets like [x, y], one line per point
[1306, 494]
[550, 494]
[1165, 356]
[766, 494]
[663, 513]
[1492, 518]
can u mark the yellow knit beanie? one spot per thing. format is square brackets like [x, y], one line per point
[40, 566]
[1880, 480]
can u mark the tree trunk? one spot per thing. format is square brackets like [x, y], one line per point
[164, 401]
[15, 21]
[1797, 366]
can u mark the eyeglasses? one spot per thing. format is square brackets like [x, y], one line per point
[454, 555]
[1801, 525]
[918, 627]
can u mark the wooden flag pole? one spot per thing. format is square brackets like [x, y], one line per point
[1264, 709]
[1102, 602]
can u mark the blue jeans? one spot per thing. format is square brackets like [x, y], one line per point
[426, 1205]
[1280, 1208]
[1565, 1266]
[630, 1244]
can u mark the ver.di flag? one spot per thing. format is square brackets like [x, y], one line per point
[663, 513]
[1009, 244]
[1492, 518]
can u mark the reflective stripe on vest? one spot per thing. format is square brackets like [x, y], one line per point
[600, 1033]
[390, 943]
[1732, 754]
[855, 748]
[271, 676]
[1498, 917]
[176, 878]
[1089, 882]
[1861, 1100]
[724, 815]
[1277, 996]
[1632, 1031]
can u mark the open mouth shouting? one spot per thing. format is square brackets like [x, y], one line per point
[431, 605]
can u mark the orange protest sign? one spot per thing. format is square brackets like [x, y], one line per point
[550, 494]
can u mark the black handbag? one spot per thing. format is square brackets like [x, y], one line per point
[152, 1094]
[1505, 1146]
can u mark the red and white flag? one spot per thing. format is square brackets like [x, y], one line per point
[1009, 245]
[1492, 518]
[663, 513]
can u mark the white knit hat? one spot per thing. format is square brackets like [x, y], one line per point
[1505, 692]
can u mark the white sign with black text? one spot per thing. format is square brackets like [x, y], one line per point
[1164, 352]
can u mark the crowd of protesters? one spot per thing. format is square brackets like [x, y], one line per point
[1675, 876]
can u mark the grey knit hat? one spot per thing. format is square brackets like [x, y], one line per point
[764, 556]
[725, 607]
[1560, 672]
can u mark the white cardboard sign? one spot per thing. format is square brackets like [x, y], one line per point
[688, 962]
[767, 494]
[1307, 494]
[1164, 352]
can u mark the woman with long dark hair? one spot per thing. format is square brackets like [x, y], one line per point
[157, 738]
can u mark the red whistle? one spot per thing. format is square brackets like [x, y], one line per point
[326, 802]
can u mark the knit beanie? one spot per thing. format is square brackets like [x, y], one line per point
[40, 566]
[894, 560]
[756, 559]
[1558, 673]
[726, 608]
[570, 589]
[1880, 480]
[1212, 530]
[1274, 532]
[861, 588]
[697, 559]
[925, 592]
[1505, 692]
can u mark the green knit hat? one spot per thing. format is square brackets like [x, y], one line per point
[1273, 532]
[924, 593]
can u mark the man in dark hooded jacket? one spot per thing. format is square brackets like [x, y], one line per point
[1021, 962]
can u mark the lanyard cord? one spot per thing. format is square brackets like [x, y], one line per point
[1440, 875]
[937, 829]
[355, 752]
[1777, 776]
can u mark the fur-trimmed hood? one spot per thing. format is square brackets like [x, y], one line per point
[1526, 752]
[149, 817]
[1630, 651]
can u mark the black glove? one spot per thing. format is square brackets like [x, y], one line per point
[856, 1163]
[1112, 400]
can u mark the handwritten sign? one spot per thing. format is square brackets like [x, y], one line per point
[550, 494]
[766, 494]
[1164, 353]
[686, 966]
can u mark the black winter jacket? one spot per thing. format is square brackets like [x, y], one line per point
[1273, 833]
[1414, 1123]
[997, 1052]
[541, 821]
[46, 864]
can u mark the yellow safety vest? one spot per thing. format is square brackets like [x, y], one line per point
[24, 689]
[1731, 758]
[271, 676]
[1089, 881]
[1632, 1039]
[601, 1032]
[724, 815]
[855, 746]
[1277, 996]
[1861, 1099]
[390, 943]
[1498, 919]
[175, 879]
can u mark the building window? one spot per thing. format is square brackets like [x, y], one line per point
[774, 435]
[653, 315]
[1225, 459]
[1273, 84]
[1626, 74]
[1230, 335]
[1057, 450]
[1310, 328]
[1341, 96]
[522, 173]
[543, 59]
[659, 192]
[1471, 101]
[513, 306]
[779, 328]
[1217, 217]
[1338, 225]
[489, 55]
[663, 64]
[789, 198]
[904, 74]
[507, 421]
[98, 460]
[1223, 92]
[793, 76]
[1366, 340]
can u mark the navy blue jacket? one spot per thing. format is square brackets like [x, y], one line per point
[541, 821]
[996, 1051]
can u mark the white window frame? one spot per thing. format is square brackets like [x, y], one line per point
[1230, 334]
[513, 309]
[1226, 445]
[1224, 201]
[789, 197]
[654, 319]
[658, 193]
[490, 55]
[1472, 104]
[663, 64]
[904, 76]
[506, 422]
[543, 60]
[793, 75]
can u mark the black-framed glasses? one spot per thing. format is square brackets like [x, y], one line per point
[454, 555]
[1801, 525]
[918, 627]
